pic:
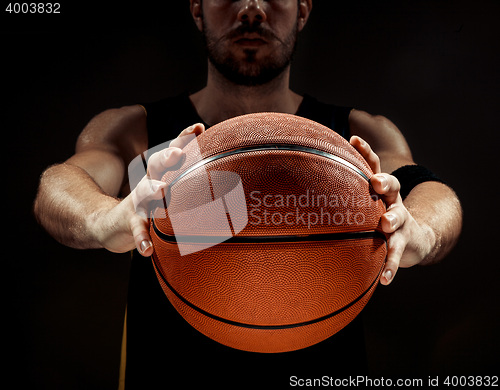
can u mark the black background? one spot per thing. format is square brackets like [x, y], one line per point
[430, 66]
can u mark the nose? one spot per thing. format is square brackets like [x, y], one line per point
[251, 12]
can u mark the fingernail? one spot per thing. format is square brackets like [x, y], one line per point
[167, 153]
[392, 220]
[388, 275]
[383, 182]
[190, 129]
[145, 245]
[156, 185]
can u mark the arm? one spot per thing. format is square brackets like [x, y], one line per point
[72, 195]
[425, 226]
[77, 200]
[67, 199]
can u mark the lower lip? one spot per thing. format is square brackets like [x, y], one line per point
[250, 42]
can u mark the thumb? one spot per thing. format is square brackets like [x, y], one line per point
[139, 227]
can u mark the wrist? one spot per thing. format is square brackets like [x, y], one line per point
[428, 244]
[101, 222]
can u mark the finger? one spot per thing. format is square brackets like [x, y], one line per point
[146, 191]
[366, 151]
[394, 218]
[387, 186]
[165, 159]
[187, 135]
[395, 248]
[139, 228]
[161, 161]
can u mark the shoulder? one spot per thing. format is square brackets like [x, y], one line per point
[121, 130]
[360, 120]
[113, 123]
[384, 137]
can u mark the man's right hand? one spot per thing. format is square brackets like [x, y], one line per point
[125, 226]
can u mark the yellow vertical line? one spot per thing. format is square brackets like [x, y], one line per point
[123, 358]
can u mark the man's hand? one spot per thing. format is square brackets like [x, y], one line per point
[125, 226]
[409, 242]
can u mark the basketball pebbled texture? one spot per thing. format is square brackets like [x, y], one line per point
[283, 283]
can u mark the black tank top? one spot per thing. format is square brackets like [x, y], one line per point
[164, 351]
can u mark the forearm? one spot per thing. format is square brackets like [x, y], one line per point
[67, 204]
[436, 208]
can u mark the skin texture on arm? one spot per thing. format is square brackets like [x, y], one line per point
[424, 227]
[73, 194]
[66, 201]
[77, 201]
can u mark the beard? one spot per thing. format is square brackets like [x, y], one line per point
[250, 71]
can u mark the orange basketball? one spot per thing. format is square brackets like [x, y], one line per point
[269, 238]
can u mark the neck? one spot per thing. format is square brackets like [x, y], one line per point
[222, 99]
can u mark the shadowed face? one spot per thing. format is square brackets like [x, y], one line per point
[250, 42]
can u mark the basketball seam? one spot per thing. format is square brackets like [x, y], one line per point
[267, 147]
[267, 239]
[254, 326]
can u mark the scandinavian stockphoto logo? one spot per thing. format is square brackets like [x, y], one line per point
[307, 209]
[223, 205]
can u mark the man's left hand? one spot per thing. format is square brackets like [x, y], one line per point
[409, 242]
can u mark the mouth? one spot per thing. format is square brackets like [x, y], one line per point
[251, 40]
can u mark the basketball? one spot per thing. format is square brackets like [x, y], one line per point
[269, 238]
